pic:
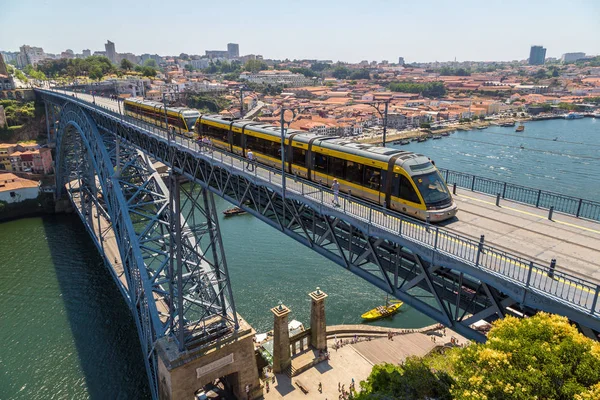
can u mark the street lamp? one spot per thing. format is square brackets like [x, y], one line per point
[243, 89]
[382, 114]
[283, 129]
[164, 98]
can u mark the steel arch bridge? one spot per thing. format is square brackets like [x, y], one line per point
[168, 262]
[105, 162]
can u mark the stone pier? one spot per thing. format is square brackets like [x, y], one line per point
[282, 358]
[318, 325]
[182, 374]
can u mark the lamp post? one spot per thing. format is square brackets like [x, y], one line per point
[164, 99]
[283, 129]
[382, 114]
[242, 90]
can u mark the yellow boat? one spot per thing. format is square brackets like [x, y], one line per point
[382, 311]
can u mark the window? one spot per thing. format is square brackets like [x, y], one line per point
[402, 188]
[299, 156]
[336, 167]
[354, 172]
[432, 188]
[217, 133]
[321, 163]
[372, 178]
[237, 139]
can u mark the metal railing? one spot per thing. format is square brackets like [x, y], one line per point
[543, 279]
[578, 207]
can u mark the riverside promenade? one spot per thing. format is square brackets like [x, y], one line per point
[354, 360]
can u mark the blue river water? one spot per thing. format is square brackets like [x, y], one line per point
[66, 332]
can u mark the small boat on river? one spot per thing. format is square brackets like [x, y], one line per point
[382, 311]
[520, 128]
[233, 211]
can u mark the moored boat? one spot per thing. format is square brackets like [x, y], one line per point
[520, 128]
[233, 211]
[382, 311]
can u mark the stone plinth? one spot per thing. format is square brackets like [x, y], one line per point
[282, 358]
[318, 325]
[181, 374]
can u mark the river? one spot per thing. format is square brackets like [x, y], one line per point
[66, 332]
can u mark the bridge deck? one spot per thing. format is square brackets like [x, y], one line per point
[527, 231]
[515, 234]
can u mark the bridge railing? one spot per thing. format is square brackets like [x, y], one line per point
[545, 279]
[570, 205]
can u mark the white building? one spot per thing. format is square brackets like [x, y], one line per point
[29, 55]
[14, 189]
[570, 57]
[276, 77]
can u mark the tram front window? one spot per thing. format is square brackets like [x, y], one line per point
[191, 122]
[432, 188]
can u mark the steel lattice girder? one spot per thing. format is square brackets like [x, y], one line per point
[218, 177]
[191, 300]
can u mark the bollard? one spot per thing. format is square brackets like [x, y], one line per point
[550, 213]
[454, 188]
[427, 222]
[552, 268]
[497, 199]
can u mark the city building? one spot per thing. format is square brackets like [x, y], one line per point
[570, 57]
[67, 54]
[6, 81]
[537, 55]
[37, 161]
[144, 57]
[200, 64]
[100, 53]
[110, 51]
[129, 57]
[14, 189]
[9, 57]
[233, 49]
[86, 53]
[275, 77]
[401, 60]
[217, 53]
[29, 55]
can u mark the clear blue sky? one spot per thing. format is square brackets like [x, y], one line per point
[350, 30]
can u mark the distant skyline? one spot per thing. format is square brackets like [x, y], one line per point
[348, 31]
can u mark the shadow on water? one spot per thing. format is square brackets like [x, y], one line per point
[103, 329]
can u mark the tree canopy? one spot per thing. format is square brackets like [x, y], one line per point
[541, 357]
[127, 65]
[150, 63]
[255, 66]
[95, 67]
[428, 89]
[340, 72]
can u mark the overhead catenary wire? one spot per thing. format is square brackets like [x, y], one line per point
[538, 138]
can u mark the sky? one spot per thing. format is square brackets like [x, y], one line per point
[338, 30]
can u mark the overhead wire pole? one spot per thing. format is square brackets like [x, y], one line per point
[383, 114]
[242, 90]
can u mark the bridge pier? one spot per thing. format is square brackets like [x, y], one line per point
[282, 358]
[182, 373]
[318, 324]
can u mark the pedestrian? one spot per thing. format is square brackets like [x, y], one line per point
[273, 379]
[320, 388]
[250, 157]
[336, 191]
[339, 387]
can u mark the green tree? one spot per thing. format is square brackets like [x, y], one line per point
[148, 71]
[428, 89]
[340, 72]
[360, 74]
[255, 66]
[540, 357]
[126, 65]
[95, 73]
[150, 63]
[318, 67]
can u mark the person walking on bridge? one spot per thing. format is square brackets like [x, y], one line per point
[336, 191]
[250, 157]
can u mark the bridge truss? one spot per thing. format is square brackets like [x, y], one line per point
[167, 257]
[454, 280]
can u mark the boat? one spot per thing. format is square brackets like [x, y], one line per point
[422, 139]
[573, 115]
[382, 311]
[507, 124]
[481, 127]
[436, 137]
[445, 133]
[233, 211]
[520, 128]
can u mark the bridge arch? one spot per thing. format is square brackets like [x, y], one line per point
[85, 171]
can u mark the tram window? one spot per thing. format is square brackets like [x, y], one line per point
[354, 172]
[407, 192]
[218, 133]
[254, 144]
[372, 178]
[237, 139]
[299, 156]
[336, 167]
[273, 149]
[321, 163]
